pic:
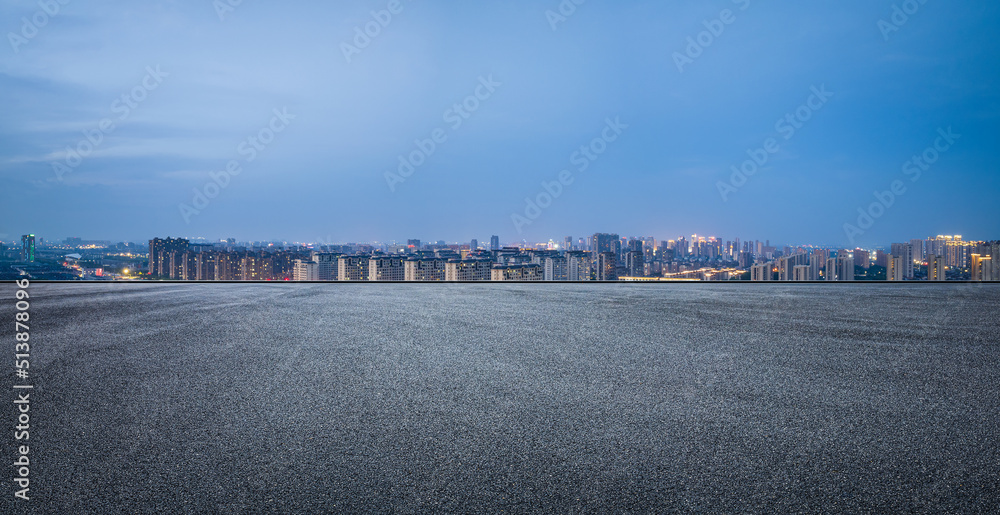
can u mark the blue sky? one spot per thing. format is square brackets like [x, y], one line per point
[212, 82]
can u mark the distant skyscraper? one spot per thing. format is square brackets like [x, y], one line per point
[605, 266]
[568, 243]
[474, 245]
[494, 243]
[28, 248]
[897, 268]
[981, 268]
[862, 258]
[817, 261]
[635, 263]
[602, 242]
[935, 268]
[917, 247]
[787, 264]
[556, 268]
[846, 272]
[905, 251]
[165, 256]
[881, 259]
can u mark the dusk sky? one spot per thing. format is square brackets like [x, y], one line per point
[872, 87]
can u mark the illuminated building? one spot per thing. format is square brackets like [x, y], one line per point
[529, 272]
[787, 264]
[605, 266]
[862, 258]
[761, 272]
[418, 269]
[386, 268]
[28, 248]
[635, 263]
[468, 270]
[305, 270]
[578, 266]
[556, 268]
[162, 256]
[935, 268]
[601, 242]
[897, 268]
[982, 268]
[352, 268]
[326, 265]
[881, 259]
[905, 251]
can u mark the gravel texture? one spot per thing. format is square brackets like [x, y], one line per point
[328, 398]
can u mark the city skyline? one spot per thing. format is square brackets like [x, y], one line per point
[379, 119]
[598, 257]
[483, 241]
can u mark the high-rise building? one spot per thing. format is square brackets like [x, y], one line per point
[881, 259]
[305, 270]
[817, 262]
[802, 273]
[556, 268]
[601, 242]
[635, 263]
[787, 264]
[846, 269]
[605, 266]
[28, 248]
[935, 268]
[474, 245]
[326, 265]
[917, 247]
[761, 272]
[897, 268]
[578, 266]
[568, 244]
[164, 256]
[982, 268]
[905, 251]
[494, 243]
[862, 258]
